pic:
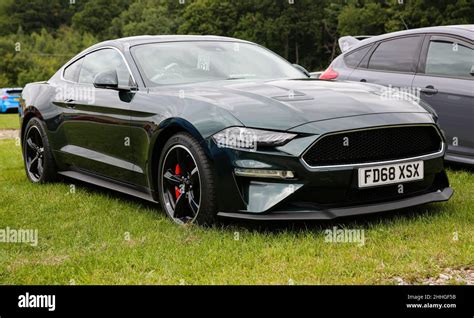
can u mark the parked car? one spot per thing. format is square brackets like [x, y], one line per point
[436, 61]
[9, 99]
[219, 127]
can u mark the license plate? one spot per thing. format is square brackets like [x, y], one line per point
[388, 174]
[16, 99]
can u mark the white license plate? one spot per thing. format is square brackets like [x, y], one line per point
[388, 174]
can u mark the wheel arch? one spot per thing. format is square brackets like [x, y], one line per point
[165, 131]
[29, 113]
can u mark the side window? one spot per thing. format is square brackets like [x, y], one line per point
[352, 59]
[449, 59]
[71, 73]
[398, 55]
[103, 61]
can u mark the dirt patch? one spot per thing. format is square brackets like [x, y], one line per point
[9, 133]
[449, 276]
[49, 260]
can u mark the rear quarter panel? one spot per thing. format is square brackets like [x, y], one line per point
[36, 101]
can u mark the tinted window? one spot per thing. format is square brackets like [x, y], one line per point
[104, 61]
[399, 55]
[449, 59]
[71, 72]
[352, 59]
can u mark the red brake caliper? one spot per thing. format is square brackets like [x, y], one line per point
[177, 171]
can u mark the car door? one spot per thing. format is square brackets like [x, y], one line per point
[446, 81]
[96, 121]
[391, 62]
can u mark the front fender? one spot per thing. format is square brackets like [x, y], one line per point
[158, 139]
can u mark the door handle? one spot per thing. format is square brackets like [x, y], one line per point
[429, 90]
[363, 80]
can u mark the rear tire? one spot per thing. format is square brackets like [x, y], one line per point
[186, 182]
[37, 155]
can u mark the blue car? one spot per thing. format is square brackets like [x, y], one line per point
[9, 99]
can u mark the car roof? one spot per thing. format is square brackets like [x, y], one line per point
[464, 30]
[127, 42]
[144, 39]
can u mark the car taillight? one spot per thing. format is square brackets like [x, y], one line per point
[329, 74]
[4, 97]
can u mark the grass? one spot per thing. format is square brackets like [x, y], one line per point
[9, 121]
[83, 239]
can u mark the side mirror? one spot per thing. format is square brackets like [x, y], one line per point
[108, 79]
[302, 70]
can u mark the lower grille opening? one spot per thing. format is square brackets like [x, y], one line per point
[339, 197]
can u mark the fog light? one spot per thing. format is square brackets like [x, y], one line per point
[263, 173]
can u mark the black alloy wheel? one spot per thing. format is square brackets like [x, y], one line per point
[186, 181]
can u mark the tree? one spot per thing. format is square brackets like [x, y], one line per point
[305, 32]
[209, 17]
[419, 13]
[362, 19]
[292, 30]
[330, 25]
[35, 15]
[97, 15]
[144, 17]
[5, 24]
[40, 54]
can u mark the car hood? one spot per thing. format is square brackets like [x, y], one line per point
[285, 104]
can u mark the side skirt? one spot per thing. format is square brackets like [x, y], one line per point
[101, 182]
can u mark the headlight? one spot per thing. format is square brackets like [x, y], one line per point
[249, 139]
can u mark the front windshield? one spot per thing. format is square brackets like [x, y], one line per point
[202, 61]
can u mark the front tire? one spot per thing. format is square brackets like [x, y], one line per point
[186, 182]
[37, 155]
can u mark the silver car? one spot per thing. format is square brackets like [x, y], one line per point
[435, 62]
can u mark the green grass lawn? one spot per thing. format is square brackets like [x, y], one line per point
[9, 121]
[99, 237]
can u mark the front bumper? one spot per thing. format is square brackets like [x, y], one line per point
[331, 213]
[316, 193]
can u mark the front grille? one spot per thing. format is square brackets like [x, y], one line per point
[372, 145]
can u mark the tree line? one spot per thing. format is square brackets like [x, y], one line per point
[38, 36]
